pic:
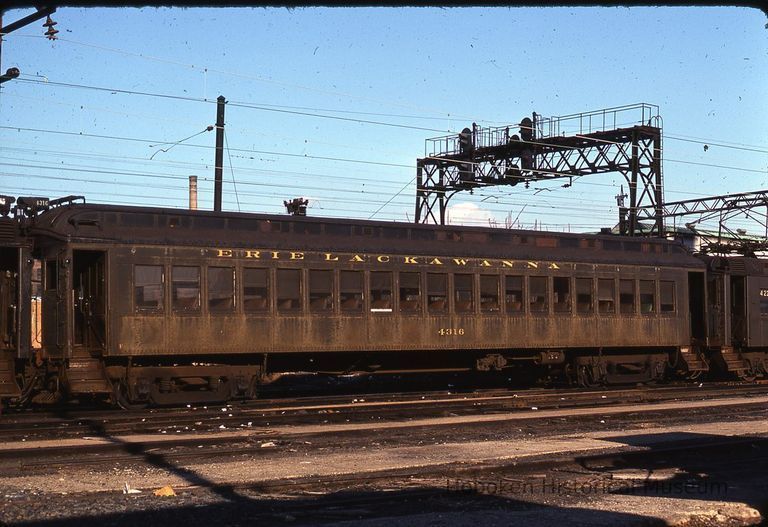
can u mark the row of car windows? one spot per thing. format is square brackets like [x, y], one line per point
[387, 291]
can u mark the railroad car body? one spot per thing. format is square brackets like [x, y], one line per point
[15, 299]
[169, 306]
[736, 307]
[167, 301]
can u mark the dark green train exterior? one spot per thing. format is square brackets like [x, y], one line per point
[169, 305]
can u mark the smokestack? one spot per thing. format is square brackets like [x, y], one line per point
[192, 192]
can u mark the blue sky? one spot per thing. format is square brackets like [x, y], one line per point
[430, 71]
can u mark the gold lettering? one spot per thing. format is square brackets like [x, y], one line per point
[382, 259]
[410, 260]
[553, 266]
[253, 254]
[275, 255]
[226, 253]
[507, 263]
[330, 258]
[485, 263]
[356, 258]
[435, 261]
[533, 265]
[460, 261]
[297, 256]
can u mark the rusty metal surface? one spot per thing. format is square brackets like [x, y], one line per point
[269, 332]
[168, 227]
[177, 237]
[90, 312]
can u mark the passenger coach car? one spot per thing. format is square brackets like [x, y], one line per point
[167, 305]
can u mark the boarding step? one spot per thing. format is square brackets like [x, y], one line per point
[86, 375]
[8, 385]
[693, 360]
[733, 360]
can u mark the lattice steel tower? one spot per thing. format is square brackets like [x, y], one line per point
[624, 139]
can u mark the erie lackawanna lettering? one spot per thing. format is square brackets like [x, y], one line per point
[268, 254]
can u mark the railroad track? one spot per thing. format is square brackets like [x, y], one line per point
[164, 449]
[260, 414]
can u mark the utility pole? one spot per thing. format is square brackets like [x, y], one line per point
[221, 101]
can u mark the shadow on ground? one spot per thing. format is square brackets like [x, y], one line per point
[689, 466]
[425, 506]
[707, 467]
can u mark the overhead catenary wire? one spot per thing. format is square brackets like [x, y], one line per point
[278, 210]
[696, 140]
[336, 212]
[276, 108]
[139, 140]
[265, 184]
[363, 192]
[253, 184]
[409, 166]
[546, 209]
[185, 167]
[95, 169]
[240, 105]
[206, 129]
[232, 170]
[327, 158]
[368, 122]
[273, 206]
[239, 74]
[392, 198]
[512, 203]
[590, 217]
[718, 142]
[190, 122]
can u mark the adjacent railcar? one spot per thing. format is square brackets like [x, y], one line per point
[735, 331]
[15, 299]
[170, 305]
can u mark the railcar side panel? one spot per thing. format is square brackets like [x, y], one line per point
[160, 304]
[757, 309]
[161, 327]
[169, 294]
[139, 335]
